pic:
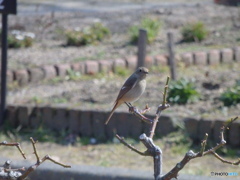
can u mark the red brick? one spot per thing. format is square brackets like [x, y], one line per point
[49, 71]
[91, 67]
[148, 61]
[226, 55]
[78, 67]
[105, 66]
[131, 62]
[213, 57]
[62, 69]
[160, 60]
[119, 63]
[22, 77]
[187, 59]
[35, 75]
[200, 58]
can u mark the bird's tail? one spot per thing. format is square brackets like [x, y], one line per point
[111, 113]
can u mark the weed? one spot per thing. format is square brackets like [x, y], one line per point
[232, 95]
[152, 26]
[89, 35]
[183, 91]
[194, 32]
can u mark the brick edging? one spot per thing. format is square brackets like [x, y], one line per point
[201, 58]
[90, 123]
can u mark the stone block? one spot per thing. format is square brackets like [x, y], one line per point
[160, 60]
[22, 77]
[119, 63]
[226, 55]
[23, 115]
[213, 57]
[11, 115]
[135, 126]
[49, 72]
[74, 121]
[62, 69]
[86, 129]
[35, 75]
[60, 116]
[105, 66]
[236, 51]
[200, 58]
[78, 67]
[98, 125]
[191, 125]
[91, 67]
[35, 118]
[234, 134]
[122, 120]
[205, 126]
[132, 62]
[187, 59]
[218, 124]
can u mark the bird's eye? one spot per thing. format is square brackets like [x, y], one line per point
[140, 70]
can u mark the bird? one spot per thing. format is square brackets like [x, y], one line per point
[131, 90]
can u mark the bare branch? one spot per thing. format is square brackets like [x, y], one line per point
[5, 143]
[121, 139]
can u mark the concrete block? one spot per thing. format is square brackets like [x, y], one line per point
[132, 62]
[35, 75]
[105, 66]
[98, 125]
[165, 126]
[191, 125]
[160, 60]
[74, 121]
[47, 116]
[234, 134]
[35, 118]
[119, 63]
[78, 67]
[205, 126]
[226, 55]
[62, 69]
[236, 52]
[213, 57]
[86, 129]
[91, 67]
[187, 59]
[200, 58]
[22, 77]
[49, 71]
[59, 119]
[10, 76]
[23, 115]
[11, 115]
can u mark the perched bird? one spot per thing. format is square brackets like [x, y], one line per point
[132, 89]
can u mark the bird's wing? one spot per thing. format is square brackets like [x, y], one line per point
[129, 84]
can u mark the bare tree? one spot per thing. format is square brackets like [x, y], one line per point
[6, 172]
[156, 153]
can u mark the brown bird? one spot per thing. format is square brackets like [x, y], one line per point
[132, 89]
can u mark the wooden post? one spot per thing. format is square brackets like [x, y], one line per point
[142, 42]
[171, 59]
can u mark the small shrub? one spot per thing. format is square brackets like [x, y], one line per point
[232, 95]
[18, 39]
[194, 32]
[89, 35]
[152, 26]
[183, 91]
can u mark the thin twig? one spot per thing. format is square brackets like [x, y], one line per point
[121, 139]
[204, 142]
[35, 149]
[225, 161]
[5, 143]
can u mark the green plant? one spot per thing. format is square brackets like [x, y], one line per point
[194, 32]
[232, 95]
[151, 25]
[183, 91]
[89, 35]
